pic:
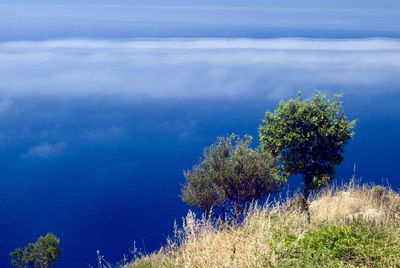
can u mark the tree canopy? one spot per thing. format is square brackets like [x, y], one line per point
[307, 137]
[44, 253]
[230, 171]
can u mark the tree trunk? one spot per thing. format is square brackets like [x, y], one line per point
[306, 195]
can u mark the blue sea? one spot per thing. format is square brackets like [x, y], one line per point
[102, 109]
[107, 192]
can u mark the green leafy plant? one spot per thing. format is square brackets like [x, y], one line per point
[44, 253]
[355, 244]
[307, 137]
[231, 171]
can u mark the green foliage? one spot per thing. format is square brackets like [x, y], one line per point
[44, 253]
[230, 171]
[200, 190]
[308, 138]
[355, 244]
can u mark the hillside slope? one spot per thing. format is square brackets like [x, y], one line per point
[355, 226]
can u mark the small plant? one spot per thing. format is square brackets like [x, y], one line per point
[355, 244]
[44, 253]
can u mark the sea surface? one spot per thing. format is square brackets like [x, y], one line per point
[109, 171]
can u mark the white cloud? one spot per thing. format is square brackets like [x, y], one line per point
[46, 150]
[193, 68]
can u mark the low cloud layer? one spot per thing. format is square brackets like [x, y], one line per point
[198, 68]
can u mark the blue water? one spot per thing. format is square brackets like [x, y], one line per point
[108, 191]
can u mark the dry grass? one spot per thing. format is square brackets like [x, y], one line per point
[371, 203]
[260, 240]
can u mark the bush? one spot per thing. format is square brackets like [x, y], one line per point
[44, 253]
[353, 244]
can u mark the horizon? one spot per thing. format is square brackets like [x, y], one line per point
[47, 19]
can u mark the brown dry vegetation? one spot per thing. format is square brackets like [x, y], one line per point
[279, 235]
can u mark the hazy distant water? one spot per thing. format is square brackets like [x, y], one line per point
[114, 175]
[95, 134]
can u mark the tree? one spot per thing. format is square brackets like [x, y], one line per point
[307, 137]
[44, 253]
[200, 190]
[231, 171]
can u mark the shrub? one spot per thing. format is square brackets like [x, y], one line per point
[352, 244]
[44, 253]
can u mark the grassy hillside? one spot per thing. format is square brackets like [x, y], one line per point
[355, 226]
